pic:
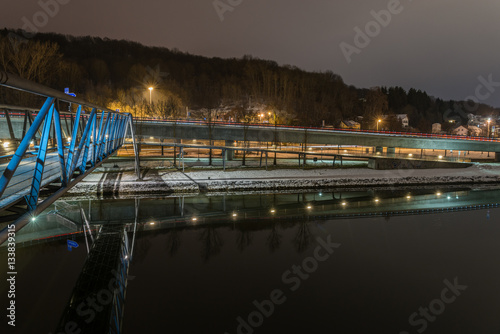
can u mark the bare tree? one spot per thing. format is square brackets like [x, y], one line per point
[376, 104]
[36, 61]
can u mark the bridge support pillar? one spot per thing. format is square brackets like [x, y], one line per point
[497, 156]
[229, 153]
[379, 149]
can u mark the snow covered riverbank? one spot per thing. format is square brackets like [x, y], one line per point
[107, 181]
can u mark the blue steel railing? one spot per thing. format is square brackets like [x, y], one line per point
[94, 136]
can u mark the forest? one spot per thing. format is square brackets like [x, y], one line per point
[118, 73]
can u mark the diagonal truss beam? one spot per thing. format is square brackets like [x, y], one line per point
[94, 137]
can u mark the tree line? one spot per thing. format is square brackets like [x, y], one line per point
[118, 74]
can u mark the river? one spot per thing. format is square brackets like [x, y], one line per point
[354, 261]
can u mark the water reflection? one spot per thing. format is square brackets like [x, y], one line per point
[211, 243]
[274, 239]
[284, 225]
[174, 241]
[303, 237]
[244, 239]
[245, 213]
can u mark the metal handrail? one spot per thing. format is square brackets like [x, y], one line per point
[94, 137]
[16, 82]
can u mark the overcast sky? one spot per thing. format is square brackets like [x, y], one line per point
[441, 46]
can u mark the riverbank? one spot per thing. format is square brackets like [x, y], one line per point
[113, 181]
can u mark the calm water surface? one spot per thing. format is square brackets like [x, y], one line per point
[351, 262]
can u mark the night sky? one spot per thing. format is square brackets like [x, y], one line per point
[441, 46]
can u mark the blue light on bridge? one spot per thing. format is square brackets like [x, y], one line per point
[66, 91]
[71, 244]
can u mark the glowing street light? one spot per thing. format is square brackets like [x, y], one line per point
[378, 121]
[150, 94]
[489, 121]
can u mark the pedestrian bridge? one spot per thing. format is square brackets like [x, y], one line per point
[50, 148]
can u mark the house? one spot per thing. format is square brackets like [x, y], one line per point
[436, 128]
[460, 130]
[403, 118]
[475, 130]
[350, 125]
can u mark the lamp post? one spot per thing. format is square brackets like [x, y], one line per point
[489, 121]
[275, 137]
[378, 121]
[150, 94]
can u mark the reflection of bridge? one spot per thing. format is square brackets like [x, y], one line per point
[96, 303]
[54, 148]
[231, 132]
[68, 218]
[98, 298]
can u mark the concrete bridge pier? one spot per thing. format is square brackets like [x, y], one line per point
[497, 156]
[229, 153]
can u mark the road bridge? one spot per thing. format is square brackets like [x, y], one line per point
[231, 132]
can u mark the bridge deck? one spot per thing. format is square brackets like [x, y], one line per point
[286, 134]
[20, 185]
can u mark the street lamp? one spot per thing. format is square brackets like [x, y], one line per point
[150, 92]
[489, 121]
[378, 121]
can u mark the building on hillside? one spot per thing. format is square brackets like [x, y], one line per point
[474, 122]
[350, 125]
[460, 130]
[436, 128]
[475, 130]
[403, 118]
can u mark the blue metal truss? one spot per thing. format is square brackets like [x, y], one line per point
[94, 137]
